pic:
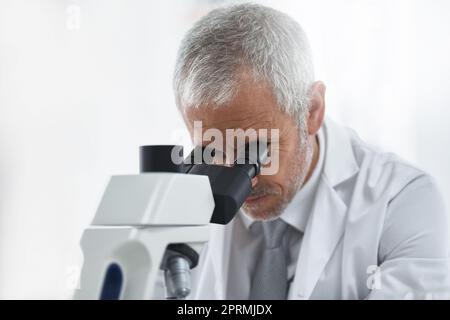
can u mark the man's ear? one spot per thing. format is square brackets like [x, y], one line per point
[317, 107]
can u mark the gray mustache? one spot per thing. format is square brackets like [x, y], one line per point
[264, 191]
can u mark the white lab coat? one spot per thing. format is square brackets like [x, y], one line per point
[378, 229]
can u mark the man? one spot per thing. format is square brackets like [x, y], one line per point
[339, 219]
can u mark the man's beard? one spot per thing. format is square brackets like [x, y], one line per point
[300, 170]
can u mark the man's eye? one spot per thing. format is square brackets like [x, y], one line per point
[214, 156]
[219, 158]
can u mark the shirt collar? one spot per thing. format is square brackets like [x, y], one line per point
[297, 212]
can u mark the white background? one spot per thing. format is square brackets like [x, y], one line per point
[84, 83]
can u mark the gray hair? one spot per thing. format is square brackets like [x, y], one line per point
[268, 43]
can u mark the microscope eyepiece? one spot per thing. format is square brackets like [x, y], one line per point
[160, 158]
[252, 158]
[231, 185]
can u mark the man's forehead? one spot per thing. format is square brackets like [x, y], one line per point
[229, 118]
[252, 104]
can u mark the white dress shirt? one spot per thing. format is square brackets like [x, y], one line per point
[248, 238]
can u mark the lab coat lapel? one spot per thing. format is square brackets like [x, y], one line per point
[325, 228]
[326, 223]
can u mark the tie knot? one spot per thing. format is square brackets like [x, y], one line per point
[273, 232]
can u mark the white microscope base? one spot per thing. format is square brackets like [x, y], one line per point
[137, 250]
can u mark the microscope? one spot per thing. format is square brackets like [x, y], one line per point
[157, 222]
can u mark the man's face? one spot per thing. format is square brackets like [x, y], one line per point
[254, 107]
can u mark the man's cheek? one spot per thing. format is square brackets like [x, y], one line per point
[265, 181]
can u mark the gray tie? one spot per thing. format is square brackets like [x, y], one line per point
[270, 277]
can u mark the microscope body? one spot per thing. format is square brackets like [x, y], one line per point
[157, 221]
[138, 217]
